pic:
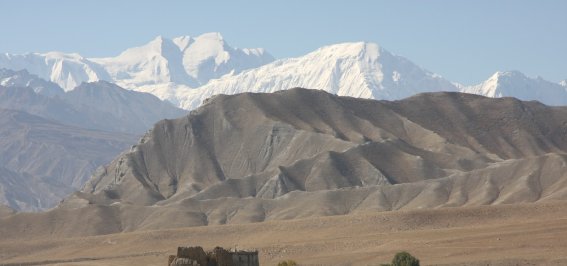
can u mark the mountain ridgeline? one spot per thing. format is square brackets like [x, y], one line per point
[97, 105]
[301, 153]
[186, 70]
[43, 161]
[53, 140]
[265, 146]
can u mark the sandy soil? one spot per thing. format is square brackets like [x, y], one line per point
[523, 234]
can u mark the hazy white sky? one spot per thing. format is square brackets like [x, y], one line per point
[464, 41]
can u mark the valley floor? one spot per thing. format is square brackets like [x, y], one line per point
[521, 234]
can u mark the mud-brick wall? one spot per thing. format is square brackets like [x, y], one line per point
[245, 259]
[194, 253]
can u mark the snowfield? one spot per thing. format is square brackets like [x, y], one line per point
[187, 70]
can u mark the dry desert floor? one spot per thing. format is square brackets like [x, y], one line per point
[521, 234]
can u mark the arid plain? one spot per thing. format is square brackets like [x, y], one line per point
[455, 179]
[520, 234]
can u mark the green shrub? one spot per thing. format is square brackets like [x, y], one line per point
[287, 263]
[404, 259]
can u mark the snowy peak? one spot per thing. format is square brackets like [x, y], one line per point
[509, 75]
[158, 47]
[21, 78]
[67, 70]
[184, 61]
[383, 75]
[358, 69]
[203, 56]
[209, 56]
[493, 86]
[370, 51]
[516, 84]
[157, 62]
[563, 83]
[188, 69]
[183, 42]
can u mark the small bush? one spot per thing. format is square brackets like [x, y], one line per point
[404, 259]
[287, 263]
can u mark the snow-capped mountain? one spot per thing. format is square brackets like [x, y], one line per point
[516, 84]
[67, 70]
[21, 78]
[209, 57]
[187, 70]
[563, 83]
[165, 66]
[183, 61]
[158, 62]
[360, 69]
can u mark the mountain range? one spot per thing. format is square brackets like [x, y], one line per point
[42, 161]
[303, 153]
[97, 105]
[53, 140]
[183, 62]
[23, 79]
[114, 94]
[187, 70]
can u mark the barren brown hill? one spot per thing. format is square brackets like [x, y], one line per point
[304, 153]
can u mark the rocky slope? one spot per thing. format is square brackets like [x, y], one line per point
[22, 78]
[98, 105]
[265, 146]
[301, 153]
[42, 161]
[109, 107]
[27, 180]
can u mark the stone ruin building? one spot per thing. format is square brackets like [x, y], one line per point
[196, 256]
